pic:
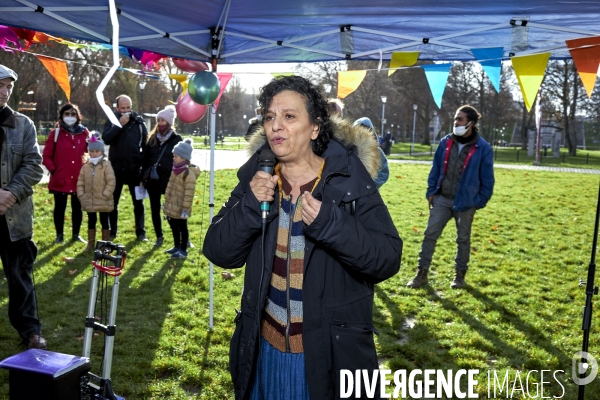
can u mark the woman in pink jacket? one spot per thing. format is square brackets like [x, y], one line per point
[63, 156]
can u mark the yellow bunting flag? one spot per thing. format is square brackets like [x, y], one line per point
[60, 73]
[586, 56]
[349, 81]
[276, 74]
[530, 73]
[182, 79]
[402, 59]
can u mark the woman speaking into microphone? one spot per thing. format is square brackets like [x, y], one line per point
[307, 302]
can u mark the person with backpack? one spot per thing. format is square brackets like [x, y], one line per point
[126, 152]
[95, 188]
[179, 197]
[63, 157]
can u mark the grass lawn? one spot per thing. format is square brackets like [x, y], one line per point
[521, 312]
[507, 155]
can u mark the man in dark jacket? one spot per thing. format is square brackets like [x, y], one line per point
[127, 145]
[461, 181]
[20, 170]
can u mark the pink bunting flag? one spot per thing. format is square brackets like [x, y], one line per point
[149, 58]
[224, 78]
[8, 35]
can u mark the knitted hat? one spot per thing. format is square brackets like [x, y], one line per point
[184, 149]
[364, 121]
[6, 72]
[168, 114]
[95, 143]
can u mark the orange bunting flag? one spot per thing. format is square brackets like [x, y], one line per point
[60, 73]
[586, 56]
[349, 81]
[530, 73]
[402, 59]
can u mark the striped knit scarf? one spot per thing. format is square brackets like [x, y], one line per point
[282, 320]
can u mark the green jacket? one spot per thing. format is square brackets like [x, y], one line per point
[21, 169]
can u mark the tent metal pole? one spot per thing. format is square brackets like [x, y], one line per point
[211, 206]
[66, 21]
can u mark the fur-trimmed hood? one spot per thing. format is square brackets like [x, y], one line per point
[358, 138]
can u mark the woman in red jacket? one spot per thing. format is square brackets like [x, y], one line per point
[63, 156]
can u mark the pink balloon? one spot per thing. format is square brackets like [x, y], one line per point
[190, 66]
[188, 110]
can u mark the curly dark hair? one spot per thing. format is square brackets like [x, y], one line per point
[316, 105]
[67, 107]
[472, 114]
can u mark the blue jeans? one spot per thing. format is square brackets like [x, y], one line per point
[439, 215]
[17, 261]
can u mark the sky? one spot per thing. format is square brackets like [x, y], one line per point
[254, 76]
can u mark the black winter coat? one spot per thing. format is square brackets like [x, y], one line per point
[165, 164]
[347, 252]
[127, 145]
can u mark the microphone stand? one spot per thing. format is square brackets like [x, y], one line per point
[590, 291]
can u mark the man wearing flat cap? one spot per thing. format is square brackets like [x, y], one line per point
[20, 170]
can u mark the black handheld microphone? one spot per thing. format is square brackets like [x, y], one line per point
[266, 162]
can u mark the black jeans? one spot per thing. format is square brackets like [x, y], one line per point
[92, 219]
[138, 208]
[154, 195]
[60, 206]
[180, 232]
[17, 261]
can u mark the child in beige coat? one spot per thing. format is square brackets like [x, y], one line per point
[179, 197]
[95, 188]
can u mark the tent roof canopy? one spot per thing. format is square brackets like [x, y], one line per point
[263, 31]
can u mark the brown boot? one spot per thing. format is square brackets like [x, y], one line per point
[419, 280]
[459, 279]
[91, 243]
[106, 234]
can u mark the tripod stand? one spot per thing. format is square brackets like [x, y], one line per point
[100, 387]
[590, 291]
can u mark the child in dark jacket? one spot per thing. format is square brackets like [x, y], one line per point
[179, 197]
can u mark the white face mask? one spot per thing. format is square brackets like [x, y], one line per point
[461, 130]
[69, 120]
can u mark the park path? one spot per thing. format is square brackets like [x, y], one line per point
[228, 159]
[517, 166]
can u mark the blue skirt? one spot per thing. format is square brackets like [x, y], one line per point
[282, 375]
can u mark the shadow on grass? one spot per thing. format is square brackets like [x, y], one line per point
[143, 304]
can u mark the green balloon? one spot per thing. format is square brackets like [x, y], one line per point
[204, 87]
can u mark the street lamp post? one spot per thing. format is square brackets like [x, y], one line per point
[435, 125]
[383, 100]
[412, 146]
[142, 87]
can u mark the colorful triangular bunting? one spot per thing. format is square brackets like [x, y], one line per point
[530, 73]
[349, 81]
[402, 59]
[437, 76]
[491, 61]
[586, 56]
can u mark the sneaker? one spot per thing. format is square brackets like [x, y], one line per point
[60, 238]
[172, 250]
[77, 238]
[419, 280]
[179, 254]
[159, 241]
[142, 238]
[112, 236]
[36, 341]
[459, 279]
[190, 245]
